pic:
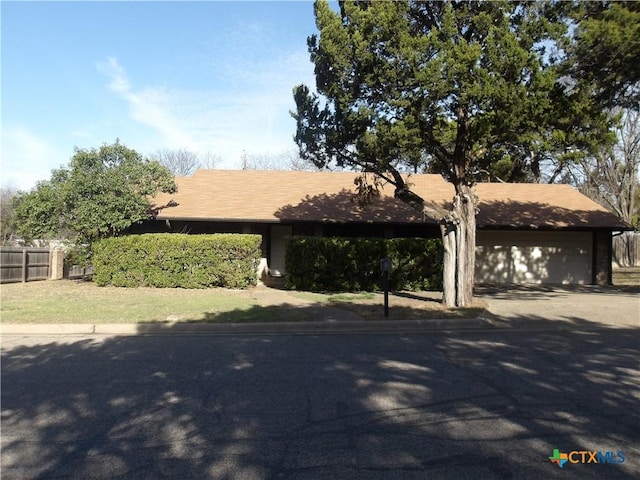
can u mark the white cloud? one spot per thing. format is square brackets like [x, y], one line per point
[249, 113]
[149, 106]
[27, 158]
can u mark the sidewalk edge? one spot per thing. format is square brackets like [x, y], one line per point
[185, 328]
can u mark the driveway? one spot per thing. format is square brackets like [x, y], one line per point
[587, 306]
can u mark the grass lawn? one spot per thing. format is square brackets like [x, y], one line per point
[68, 301]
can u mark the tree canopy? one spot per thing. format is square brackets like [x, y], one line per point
[461, 88]
[467, 89]
[101, 193]
[604, 52]
[184, 162]
[7, 193]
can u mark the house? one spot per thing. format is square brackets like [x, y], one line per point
[527, 233]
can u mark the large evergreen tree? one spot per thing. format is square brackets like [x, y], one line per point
[604, 53]
[602, 62]
[465, 88]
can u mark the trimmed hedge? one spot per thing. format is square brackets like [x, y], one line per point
[177, 260]
[320, 264]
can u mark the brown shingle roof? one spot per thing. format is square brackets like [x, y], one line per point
[281, 196]
[536, 205]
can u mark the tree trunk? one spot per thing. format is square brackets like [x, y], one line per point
[448, 230]
[459, 240]
[458, 229]
[466, 202]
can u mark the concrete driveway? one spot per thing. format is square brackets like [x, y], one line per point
[585, 306]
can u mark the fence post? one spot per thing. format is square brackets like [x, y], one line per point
[25, 266]
[56, 264]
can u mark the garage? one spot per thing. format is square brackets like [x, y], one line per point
[534, 257]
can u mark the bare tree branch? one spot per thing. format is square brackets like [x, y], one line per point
[611, 176]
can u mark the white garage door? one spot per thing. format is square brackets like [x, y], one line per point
[534, 257]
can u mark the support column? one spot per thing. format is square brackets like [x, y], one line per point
[602, 270]
[56, 264]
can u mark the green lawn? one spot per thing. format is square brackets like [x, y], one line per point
[69, 301]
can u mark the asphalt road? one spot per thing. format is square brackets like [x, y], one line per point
[456, 405]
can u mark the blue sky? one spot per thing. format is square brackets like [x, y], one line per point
[210, 76]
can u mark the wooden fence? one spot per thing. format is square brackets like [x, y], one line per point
[76, 272]
[24, 264]
[626, 250]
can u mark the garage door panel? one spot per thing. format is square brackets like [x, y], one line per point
[533, 257]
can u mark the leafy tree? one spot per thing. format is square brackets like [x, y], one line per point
[603, 56]
[99, 194]
[602, 62]
[7, 194]
[461, 88]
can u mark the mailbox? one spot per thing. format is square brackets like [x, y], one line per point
[385, 265]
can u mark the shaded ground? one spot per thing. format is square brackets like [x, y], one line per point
[402, 306]
[489, 405]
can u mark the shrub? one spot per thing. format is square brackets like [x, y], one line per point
[177, 260]
[79, 255]
[353, 264]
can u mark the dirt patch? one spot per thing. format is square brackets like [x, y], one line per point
[412, 306]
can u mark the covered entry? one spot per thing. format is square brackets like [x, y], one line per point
[276, 249]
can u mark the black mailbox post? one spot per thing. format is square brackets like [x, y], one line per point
[385, 267]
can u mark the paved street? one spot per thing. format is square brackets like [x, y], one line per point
[456, 405]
